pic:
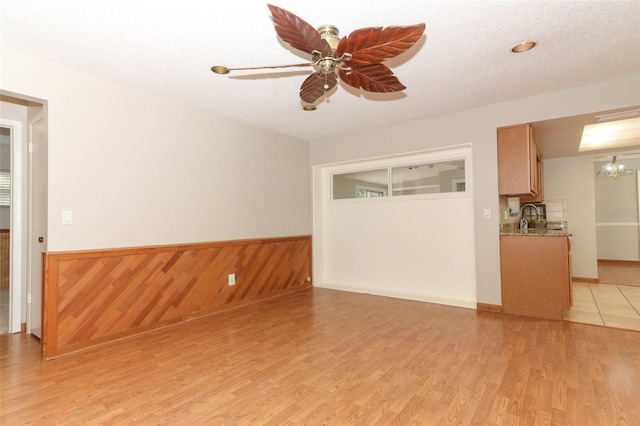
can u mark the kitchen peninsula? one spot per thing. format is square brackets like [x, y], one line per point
[536, 272]
[535, 259]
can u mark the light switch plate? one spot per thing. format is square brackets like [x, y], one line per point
[67, 217]
[487, 213]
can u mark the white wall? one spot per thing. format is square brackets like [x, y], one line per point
[398, 246]
[616, 211]
[139, 169]
[477, 127]
[5, 149]
[572, 180]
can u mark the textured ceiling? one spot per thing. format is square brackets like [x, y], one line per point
[463, 61]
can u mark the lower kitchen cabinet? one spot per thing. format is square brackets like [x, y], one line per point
[536, 275]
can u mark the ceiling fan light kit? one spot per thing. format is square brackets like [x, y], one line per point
[355, 59]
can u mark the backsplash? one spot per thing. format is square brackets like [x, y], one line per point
[556, 212]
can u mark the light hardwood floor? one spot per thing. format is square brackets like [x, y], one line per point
[619, 272]
[319, 356]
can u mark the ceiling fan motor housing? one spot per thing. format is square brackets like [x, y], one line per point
[331, 34]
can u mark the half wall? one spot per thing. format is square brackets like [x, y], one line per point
[94, 297]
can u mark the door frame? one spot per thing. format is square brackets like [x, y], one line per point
[34, 281]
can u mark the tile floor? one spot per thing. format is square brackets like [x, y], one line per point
[610, 305]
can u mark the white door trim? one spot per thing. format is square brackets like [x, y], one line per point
[34, 281]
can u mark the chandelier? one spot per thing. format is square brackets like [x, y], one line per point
[614, 170]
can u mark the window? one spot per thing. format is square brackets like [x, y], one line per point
[368, 193]
[362, 184]
[419, 178]
[458, 185]
[5, 188]
[428, 178]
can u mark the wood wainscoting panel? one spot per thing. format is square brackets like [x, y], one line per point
[93, 297]
[486, 307]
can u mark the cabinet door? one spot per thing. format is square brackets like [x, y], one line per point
[535, 275]
[539, 181]
[515, 160]
[533, 164]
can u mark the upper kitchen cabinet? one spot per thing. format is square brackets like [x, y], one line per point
[539, 179]
[520, 171]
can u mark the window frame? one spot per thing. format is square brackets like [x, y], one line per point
[455, 153]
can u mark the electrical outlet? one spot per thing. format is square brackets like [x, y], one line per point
[487, 213]
[232, 279]
[308, 279]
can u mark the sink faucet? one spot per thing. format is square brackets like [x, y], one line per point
[524, 224]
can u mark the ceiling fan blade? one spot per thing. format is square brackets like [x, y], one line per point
[297, 32]
[221, 69]
[375, 44]
[375, 77]
[316, 85]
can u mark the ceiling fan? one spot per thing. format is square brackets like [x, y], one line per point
[355, 59]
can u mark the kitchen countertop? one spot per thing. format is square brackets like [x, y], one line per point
[539, 232]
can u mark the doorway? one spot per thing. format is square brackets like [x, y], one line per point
[5, 224]
[23, 132]
[618, 234]
[613, 300]
[617, 205]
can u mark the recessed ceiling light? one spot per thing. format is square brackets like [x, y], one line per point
[523, 47]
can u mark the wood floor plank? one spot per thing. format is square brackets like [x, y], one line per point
[619, 272]
[320, 356]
